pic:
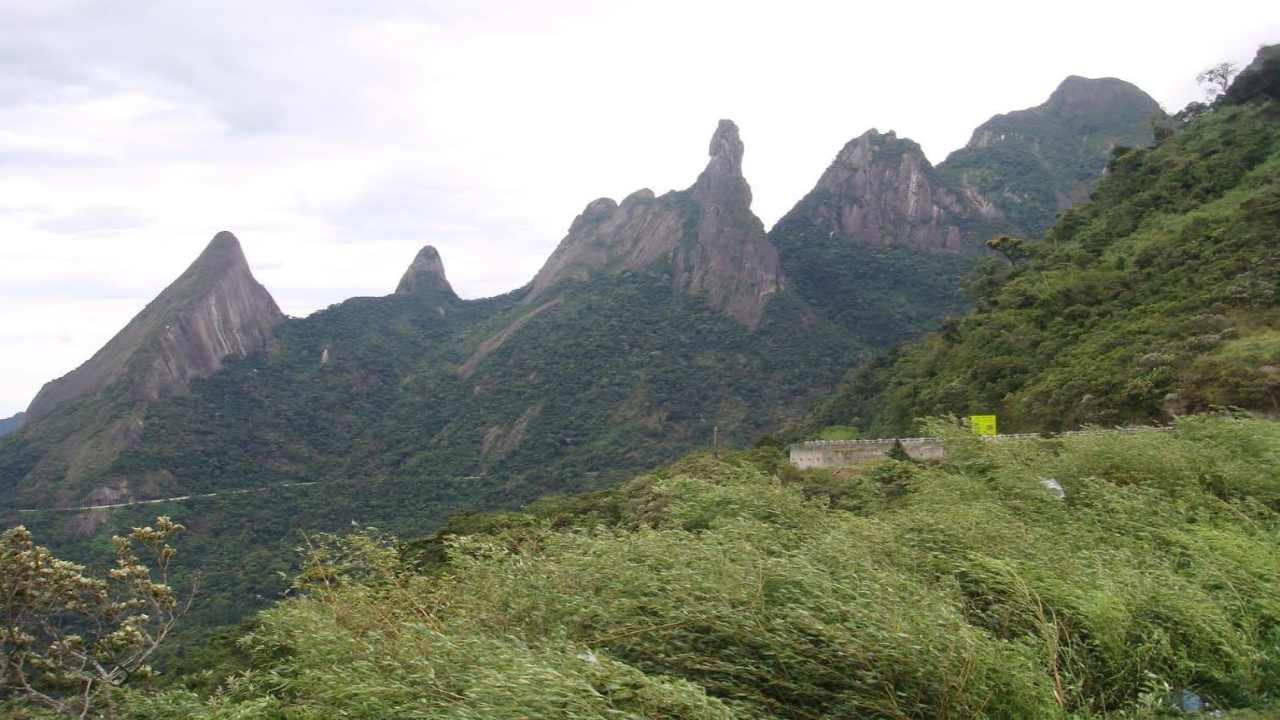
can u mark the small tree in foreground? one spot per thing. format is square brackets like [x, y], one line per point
[66, 638]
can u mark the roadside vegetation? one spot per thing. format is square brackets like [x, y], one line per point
[739, 587]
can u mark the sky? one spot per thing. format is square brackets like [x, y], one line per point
[337, 138]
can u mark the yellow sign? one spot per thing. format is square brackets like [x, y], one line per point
[983, 424]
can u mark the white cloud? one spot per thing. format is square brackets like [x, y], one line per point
[335, 138]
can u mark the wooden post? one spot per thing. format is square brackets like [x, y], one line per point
[715, 441]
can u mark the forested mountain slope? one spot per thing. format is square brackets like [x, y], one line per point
[1026, 166]
[653, 323]
[659, 323]
[882, 240]
[12, 424]
[1159, 297]
[79, 424]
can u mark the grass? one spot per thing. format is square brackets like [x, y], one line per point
[741, 588]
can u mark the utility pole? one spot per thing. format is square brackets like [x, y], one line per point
[715, 441]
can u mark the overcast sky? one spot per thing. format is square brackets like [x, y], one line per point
[336, 138]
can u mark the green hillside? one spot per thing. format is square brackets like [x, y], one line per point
[882, 282]
[881, 243]
[1033, 163]
[738, 588]
[622, 374]
[11, 424]
[1157, 298]
[658, 326]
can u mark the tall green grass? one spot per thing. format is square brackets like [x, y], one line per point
[737, 588]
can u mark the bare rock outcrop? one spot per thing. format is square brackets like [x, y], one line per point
[881, 190]
[425, 275]
[1017, 172]
[715, 246]
[214, 310]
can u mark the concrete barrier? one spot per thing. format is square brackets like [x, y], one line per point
[851, 453]
[848, 453]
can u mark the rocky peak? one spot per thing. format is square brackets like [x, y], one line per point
[722, 182]
[865, 149]
[715, 245]
[880, 189]
[223, 252]
[214, 310]
[1078, 109]
[1025, 166]
[1082, 97]
[425, 274]
[726, 150]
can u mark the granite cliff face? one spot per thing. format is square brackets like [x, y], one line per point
[214, 310]
[879, 244]
[712, 243]
[425, 275]
[881, 190]
[1016, 173]
[80, 423]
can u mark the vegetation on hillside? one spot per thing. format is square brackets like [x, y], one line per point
[11, 424]
[736, 586]
[366, 400]
[1032, 163]
[1160, 296]
[1029, 165]
[885, 294]
[739, 588]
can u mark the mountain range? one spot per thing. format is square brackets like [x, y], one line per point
[660, 324]
[1158, 298]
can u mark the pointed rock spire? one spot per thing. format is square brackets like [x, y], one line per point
[722, 182]
[425, 274]
[225, 242]
[726, 150]
[214, 310]
[715, 246]
[222, 254]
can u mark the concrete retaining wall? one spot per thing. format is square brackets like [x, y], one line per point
[846, 453]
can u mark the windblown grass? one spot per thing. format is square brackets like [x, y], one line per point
[724, 589]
